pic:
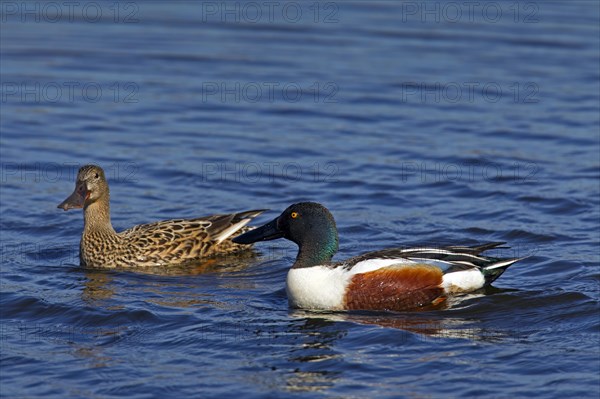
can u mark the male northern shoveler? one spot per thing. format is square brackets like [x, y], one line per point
[170, 242]
[390, 279]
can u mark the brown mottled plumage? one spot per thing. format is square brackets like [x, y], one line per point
[169, 242]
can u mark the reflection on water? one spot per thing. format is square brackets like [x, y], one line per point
[322, 364]
[93, 354]
[97, 287]
[435, 324]
[306, 381]
[315, 353]
[101, 284]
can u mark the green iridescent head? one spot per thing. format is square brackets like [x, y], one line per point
[308, 224]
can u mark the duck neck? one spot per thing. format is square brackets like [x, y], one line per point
[96, 217]
[317, 249]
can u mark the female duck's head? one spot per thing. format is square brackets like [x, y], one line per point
[308, 224]
[90, 187]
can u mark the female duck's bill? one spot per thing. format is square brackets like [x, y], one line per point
[74, 201]
[389, 279]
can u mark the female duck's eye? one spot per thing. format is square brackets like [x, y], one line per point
[96, 176]
[294, 215]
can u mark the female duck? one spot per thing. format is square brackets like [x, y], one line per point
[169, 242]
[390, 279]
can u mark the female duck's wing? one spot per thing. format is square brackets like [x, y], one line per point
[187, 239]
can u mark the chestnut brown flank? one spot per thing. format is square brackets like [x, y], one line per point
[395, 288]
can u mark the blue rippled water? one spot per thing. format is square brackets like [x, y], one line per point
[414, 122]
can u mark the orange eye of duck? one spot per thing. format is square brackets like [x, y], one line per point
[294, 215]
